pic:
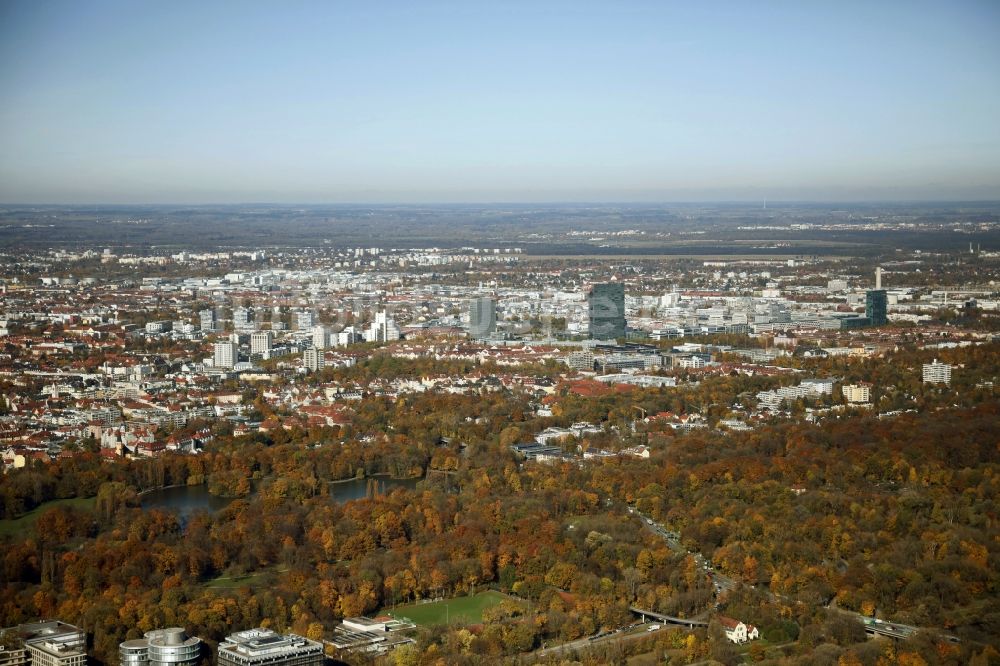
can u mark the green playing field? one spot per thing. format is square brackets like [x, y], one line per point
[458, 610]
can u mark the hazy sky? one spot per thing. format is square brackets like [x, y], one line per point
[418, 101]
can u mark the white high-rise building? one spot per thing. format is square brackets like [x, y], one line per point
[670, 300]
[304, 320]
[347, 336]
[242, 318]
[383, 329]
[260, 342]
[226, 354]
[320, 337]
[208, 319]
[937, 373]
[313, 359]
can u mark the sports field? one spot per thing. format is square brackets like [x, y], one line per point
[458, 610]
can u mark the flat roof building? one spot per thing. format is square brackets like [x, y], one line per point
[54, 653]
[51, 630]
[13, 655]
[370, 635]
[264, 647]
[209, 320]
[47, 643]
[261, 342]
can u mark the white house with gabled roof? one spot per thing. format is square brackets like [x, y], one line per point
[737, 631]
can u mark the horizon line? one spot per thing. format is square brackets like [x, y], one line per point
[755, 202]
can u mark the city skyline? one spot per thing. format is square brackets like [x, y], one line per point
[258, 435]
[449, 103]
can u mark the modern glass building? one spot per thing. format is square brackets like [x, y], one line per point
[482, 317]
[134, 652]
[606, 311]
[877, 307]
[161, 647]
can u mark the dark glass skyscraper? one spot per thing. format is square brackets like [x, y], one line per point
[482, 317]
[877, 307]
[606, 311]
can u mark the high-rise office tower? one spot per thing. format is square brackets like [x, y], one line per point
[606, 310]
[209, 320]
[242, 318]
[877, 307]
[383, 329]
[260, 342]
[482, 317]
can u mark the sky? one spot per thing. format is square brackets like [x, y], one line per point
[419, 102]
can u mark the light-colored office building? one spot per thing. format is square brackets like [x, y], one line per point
[383, 329]
[49, 643]
[264, 647]
[261, 342]
[348, 336]
[243, 319]
[209, 320]
[305, 319]
[836, 285]
[52, 653]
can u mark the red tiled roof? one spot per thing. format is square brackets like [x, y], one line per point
[728, 622]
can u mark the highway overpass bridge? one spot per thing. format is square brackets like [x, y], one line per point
[668, 619]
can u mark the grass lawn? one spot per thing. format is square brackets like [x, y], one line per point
[21, 524]
[248, 580]
[457, 610]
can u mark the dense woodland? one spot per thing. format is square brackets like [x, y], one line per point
[898, 519]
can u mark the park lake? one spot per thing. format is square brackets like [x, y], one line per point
[185, 500]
